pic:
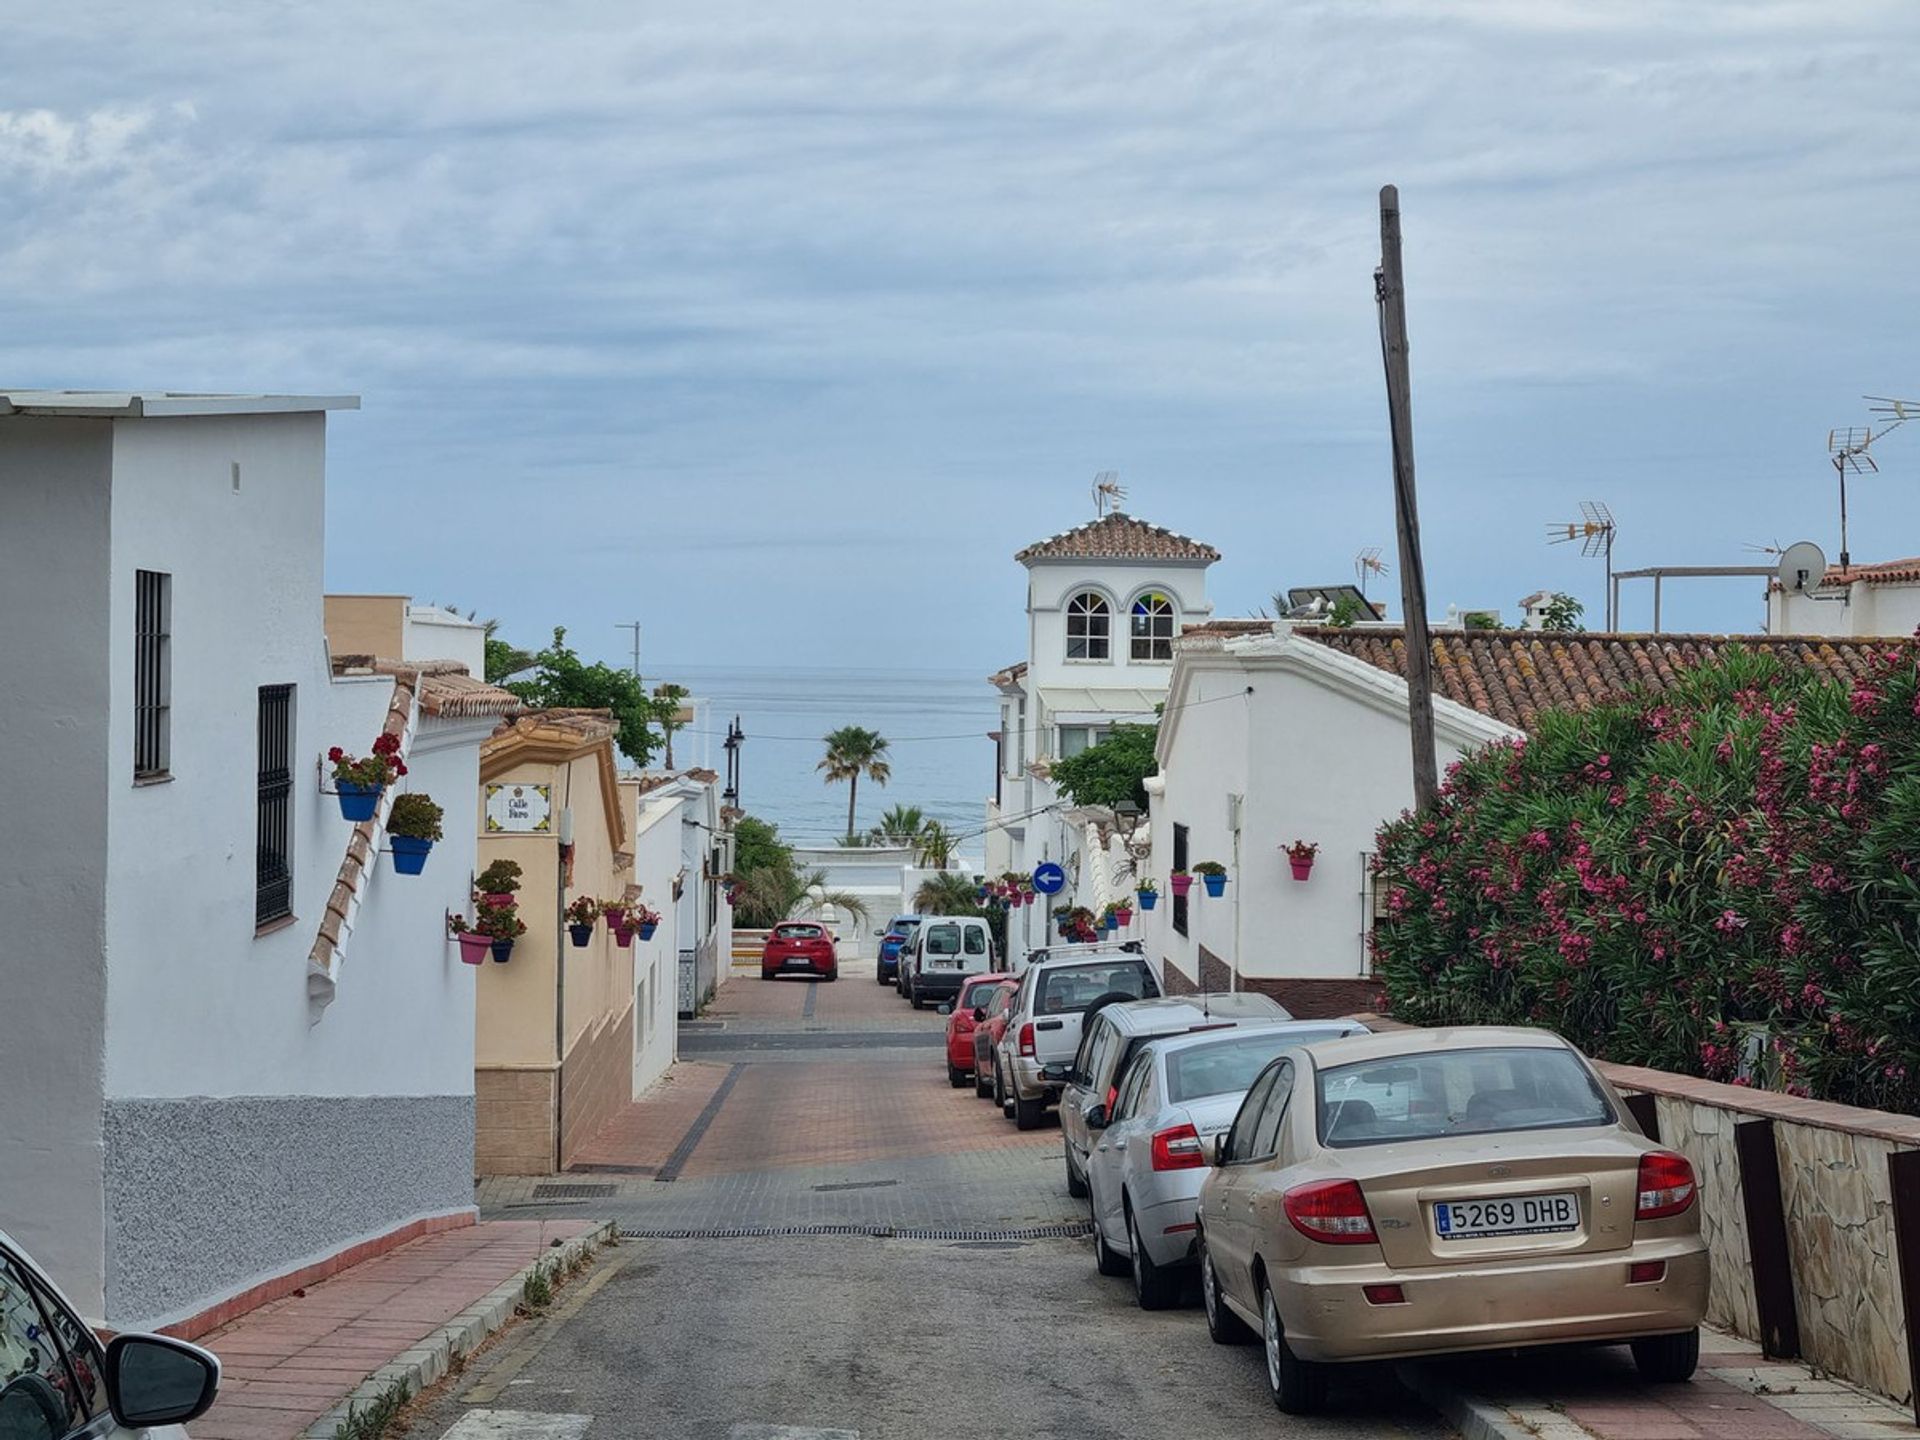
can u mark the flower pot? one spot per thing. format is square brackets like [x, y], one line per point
[582, 935]
[1216, 885]
[1148, 899]
[502, 951]
[473, 946]
[646, 930]
[409, 853]
[1109, 923]
[623, 936]
[1301, 868]
[498, 899]
[1124, 915]
[1181, 885]
[358, 802]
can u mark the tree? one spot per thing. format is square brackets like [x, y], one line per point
[934, 845]
[948, 893]
[900, 825]
[562, 680]
[851, 753]
[1562, 612]
[1346, 610]
[502, 659]
[668, 698]
[1112, 771]
[763, 866]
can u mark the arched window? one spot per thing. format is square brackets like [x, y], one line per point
[1153, 627]
[1089, 627]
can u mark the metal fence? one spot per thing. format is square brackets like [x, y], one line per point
[699, 974]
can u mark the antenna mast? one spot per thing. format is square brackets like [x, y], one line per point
[1368, 562]
[1107, 493]
[1595, 531]
[1847, 451]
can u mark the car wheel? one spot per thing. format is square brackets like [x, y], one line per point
[1667, 1359]
[1000, 1091]
[879, 975]
[1076, 1186]
[766, 974]
[1027, 1114]
[833, 974]
[1156, 1287]
[1299, 1387]
[982, 1084]
[1106, 1259]
[1223, 1326]
[956, 1077]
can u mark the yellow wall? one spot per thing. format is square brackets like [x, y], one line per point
[367, 625]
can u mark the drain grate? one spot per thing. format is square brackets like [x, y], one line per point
[1072, 1230]
[857, 1185]
[572, 1192]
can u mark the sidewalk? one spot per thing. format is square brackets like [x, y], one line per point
[1737, 1394]
[289, 1363]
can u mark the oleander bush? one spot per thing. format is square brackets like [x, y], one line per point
[1720, 880]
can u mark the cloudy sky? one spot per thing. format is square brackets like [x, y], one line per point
[780, 327]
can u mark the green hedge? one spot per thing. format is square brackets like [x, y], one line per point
[1719, 880]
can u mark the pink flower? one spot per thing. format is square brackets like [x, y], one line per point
[1731, 922]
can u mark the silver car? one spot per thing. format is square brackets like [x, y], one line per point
[1151, 1147]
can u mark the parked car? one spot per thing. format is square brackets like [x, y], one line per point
[944, 953]
[986, 1037]
[57, 1381]
[892, 940]
[964, 1018]
[1043, 1032]
[1424, 1192]
[1150, 1134]
[1112, 1035]
[800, 947]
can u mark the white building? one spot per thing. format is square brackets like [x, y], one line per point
[682, 849]
[1858, 600]
[1104, 605]
[238, 1042]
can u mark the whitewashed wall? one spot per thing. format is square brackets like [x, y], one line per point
[657, 858]
[1869, 610]
[1052, 583]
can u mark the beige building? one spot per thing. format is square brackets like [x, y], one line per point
[554, 1037]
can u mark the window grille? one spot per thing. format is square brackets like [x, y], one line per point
[152, 680]
[273, 869]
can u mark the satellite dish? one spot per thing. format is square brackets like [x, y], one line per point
[1803, 565]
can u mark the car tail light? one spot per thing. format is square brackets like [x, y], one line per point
[1331, 1211]
[1384, 1294]
[1666, 1185]
[1026, 1038]
[1113, 1094]
[1177, 1149]
[1646, 1272]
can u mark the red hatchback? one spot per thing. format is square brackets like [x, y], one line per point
[800, 947]
[976, 995]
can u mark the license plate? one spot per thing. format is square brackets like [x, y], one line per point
[800, 961]
[1513, 1215]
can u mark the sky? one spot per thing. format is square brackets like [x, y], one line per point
[779, 328]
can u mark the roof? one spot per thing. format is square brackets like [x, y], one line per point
[566, 729]
[1012, 675]
[446, 690]
[1256, 626]
[1379, 1045]
[1884, 572]
[135, 404]
[1280, 1029]
[1119, 536]
[1514, 675]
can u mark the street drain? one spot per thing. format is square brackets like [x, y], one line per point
[572, 1192]
[988, 1245]
[1071, 1230]
[858, 1185]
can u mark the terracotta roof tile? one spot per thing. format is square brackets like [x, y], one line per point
[1119, 536]
[1884, 572]
[1009, 676]
[1514, 675]
[1226, 628]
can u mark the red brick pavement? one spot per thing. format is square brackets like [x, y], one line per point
[288, 1363]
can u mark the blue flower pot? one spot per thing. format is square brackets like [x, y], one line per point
[646, 931]
[1216, 885]
[502, 951]
[1148, 899]
[358, 802]
[582, 935]
[409, 853]
[1109, 923]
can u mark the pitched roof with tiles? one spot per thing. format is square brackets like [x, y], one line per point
[445, 688]
[1228, 629]
[1012, 675]
[1884, 572]
[1119, 536]
[1514, 675]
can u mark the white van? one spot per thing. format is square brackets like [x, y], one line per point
[942, 952]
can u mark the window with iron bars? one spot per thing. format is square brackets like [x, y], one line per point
[273, 867]
[152, 677]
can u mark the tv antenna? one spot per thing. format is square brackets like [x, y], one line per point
[1848, 445]
[1595, 531]
[1368, 562]
[1107, 492]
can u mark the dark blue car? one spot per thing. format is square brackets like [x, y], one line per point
[892, 939]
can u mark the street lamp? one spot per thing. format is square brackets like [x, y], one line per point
[1126, 819]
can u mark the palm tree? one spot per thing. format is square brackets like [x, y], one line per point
[901, 825]
[808, 903]
[935, 845]
[948, 893]
[667, 714]
[851, 753]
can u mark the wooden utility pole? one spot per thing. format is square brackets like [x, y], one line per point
[1391, 295]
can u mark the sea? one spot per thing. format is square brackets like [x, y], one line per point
[936, 723]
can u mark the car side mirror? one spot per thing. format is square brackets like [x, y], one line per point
[153, 1380]
[945, 1010]
[879, 934]
[979, 1014]
[1096, 1117]
[1217, 1152]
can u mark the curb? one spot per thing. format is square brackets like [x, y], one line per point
[1473, 1417]
[428, 1361]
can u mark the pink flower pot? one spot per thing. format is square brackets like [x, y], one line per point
[1301, 868]
[1181, 884]
[1124, 915]
[473, 947]
[499, 900]
[623, 936]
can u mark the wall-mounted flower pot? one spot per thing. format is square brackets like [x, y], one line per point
[358, 802]
[1109, 923]
[498, 899]
[646, 930]
[1301, 868]
[409, 853]
[502, 951]
[1148, 899]
[1124, 914]
[1180, 884]
[622, 936]
[1216, 885]
[473, 946]
[582, 935]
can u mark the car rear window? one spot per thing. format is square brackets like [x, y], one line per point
[904, 927]
[1072, 989]
[977, 994]
[1228, 1066]
[796, 932]
[942, 940]
[1457, 1092]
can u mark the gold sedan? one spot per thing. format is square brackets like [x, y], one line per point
[1422, 1192]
